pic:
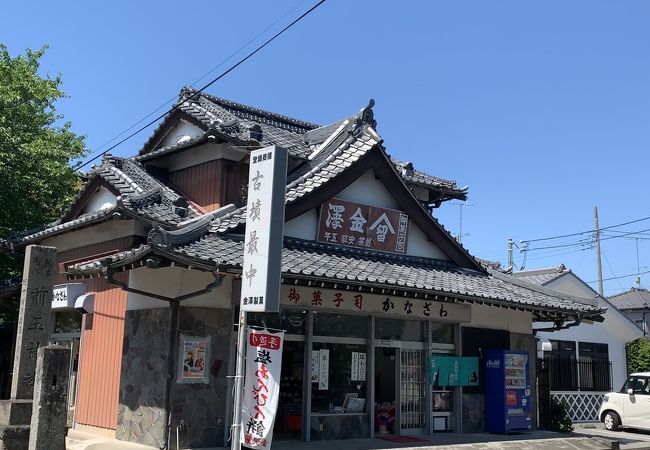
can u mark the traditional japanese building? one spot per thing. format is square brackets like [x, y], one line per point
[372, 284]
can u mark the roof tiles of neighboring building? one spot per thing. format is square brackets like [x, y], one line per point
[324, 262]
[635, 298]
[542, 276]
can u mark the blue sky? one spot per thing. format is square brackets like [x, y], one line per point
[542, 108]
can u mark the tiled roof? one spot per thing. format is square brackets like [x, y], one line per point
[245, 123]
[141, 195]
[635, 298]
[342, 153]
[542, 276]
[323, 262]
[59, 227]
[416, 178]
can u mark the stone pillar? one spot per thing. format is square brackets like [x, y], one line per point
[49, 415]
[33, 331]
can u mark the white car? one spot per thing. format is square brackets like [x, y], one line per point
[629, 407]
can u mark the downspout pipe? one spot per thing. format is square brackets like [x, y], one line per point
[174, 304]
[559, 326]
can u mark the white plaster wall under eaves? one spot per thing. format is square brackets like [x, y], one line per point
[182, 132]
[367, 190]
[173, 282]
[102, 199]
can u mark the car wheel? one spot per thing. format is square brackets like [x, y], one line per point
[611, 420]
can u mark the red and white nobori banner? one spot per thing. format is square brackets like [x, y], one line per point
[261, 388]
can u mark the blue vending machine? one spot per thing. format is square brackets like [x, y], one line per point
[507, 391]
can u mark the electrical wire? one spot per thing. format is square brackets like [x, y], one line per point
[621, 277]
[170, 100]
[611, 269]
[585, 232]
[223, 74]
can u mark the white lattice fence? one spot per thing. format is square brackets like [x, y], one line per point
[583, 406]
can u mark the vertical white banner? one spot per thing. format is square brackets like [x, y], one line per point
[261, 388]
[354, 376]
[315, 365]
[324, 370]
[362, 367]
[262, 266]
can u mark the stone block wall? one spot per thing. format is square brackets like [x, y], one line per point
[201, 407]
[141, 411]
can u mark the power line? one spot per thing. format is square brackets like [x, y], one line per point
[585, 232]
[204, 75]
[620, 277]
[223, 74]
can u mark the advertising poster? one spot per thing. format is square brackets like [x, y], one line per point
[315, 365]
[193, 359]
[261, 387]
[453, 371]
[324, 370]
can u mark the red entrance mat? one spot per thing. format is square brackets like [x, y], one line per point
[394, 438]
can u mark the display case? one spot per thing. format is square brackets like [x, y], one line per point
[507, 392]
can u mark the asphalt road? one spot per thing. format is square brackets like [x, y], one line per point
[626, 436]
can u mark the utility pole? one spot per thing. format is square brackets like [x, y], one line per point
[511, 263]
[638, 270]
[600, 266]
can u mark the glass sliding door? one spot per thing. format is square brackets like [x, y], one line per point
[412, 388]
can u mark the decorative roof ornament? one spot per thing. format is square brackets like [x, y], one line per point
[188, 93]
[157, 236]
[367, 117]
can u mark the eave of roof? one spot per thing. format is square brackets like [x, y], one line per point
[311, 262]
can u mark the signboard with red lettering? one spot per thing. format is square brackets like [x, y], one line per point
[363, 226]
[261, 387]
[317, 298]
[267, 183]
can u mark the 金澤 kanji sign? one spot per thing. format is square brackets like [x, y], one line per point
[357, 225]
[264, 230]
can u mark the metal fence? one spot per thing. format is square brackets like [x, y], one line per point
[567, 374]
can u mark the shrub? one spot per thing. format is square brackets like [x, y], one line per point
[560, 420]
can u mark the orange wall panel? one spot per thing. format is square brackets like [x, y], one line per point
[101, 351]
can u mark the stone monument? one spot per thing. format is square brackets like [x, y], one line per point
[49, 415]
[33, 332]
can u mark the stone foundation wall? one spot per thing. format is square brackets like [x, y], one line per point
[200, 406]
[141, 416]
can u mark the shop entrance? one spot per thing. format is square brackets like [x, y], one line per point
[400, 391]
[385, 390]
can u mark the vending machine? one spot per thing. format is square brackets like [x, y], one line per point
[507, 392]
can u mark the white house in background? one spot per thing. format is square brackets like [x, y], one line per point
[587, 360]
[635, 304]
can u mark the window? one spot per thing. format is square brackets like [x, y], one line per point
[340, 325]
[336, 374]
[639, 386]
[400, 330]
[442, 333]
[290, 320]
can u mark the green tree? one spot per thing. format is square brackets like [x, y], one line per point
[36, 149]
[638, 355]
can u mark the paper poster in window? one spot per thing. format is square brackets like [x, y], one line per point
[193, 358]
[315, 365]
[324, 372]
